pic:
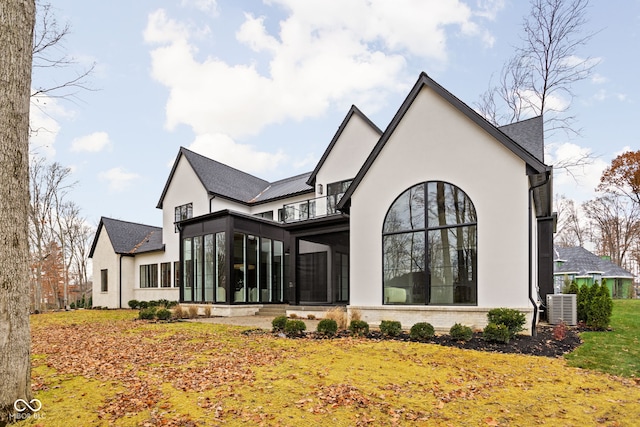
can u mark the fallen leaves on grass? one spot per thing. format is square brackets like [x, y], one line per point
[187, 374]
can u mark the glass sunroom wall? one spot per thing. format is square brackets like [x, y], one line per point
[197, 269]
[221, 267]
[238, 287]
[266, 261]
[188, 271]
[251, 268]
[209, 265]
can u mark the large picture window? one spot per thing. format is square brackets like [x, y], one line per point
[429, 241]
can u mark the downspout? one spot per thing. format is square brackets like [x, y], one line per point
[120, 284]
[533, 302]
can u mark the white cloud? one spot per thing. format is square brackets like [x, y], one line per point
[207, 6]
[577, 181]
[118, 178]
[44, 121]
[91, 143]
[598, 79]
[244, 157]
[322, 53]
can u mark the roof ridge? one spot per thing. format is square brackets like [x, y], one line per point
[222, 164]
[128, 222]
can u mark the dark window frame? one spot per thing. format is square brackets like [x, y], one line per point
[165, 275]
[181, 213]
[148, 276]
[104, 280]
[423, 226]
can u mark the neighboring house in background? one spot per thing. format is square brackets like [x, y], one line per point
[409, 224]
[577, 263]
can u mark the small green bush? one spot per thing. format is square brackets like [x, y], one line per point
[134, 304]
[359, 327]
[148, 313]
[294, 327]
[172, 304]
[460, 332]
[143, 304]
[422, 331]
[514, 320]
[390, 328]
[278, 323]
[72, 306]
[163, 314]
[327, 327]
[496, 333]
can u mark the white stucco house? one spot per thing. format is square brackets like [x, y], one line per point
[439, 218]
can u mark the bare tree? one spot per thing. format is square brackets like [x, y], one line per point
[571, 229]
[16, 35]
[49, 57]
[616, 223]
[48, 185]
[539, 78]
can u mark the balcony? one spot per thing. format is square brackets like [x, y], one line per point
[312, 208]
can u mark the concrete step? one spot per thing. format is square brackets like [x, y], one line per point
[272, 310]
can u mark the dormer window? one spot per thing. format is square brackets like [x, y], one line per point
[183, 212]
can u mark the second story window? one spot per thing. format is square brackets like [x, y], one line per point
[183, 212]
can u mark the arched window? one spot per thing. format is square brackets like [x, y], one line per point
[429, 242]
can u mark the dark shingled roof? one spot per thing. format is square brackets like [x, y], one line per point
[529, 134]
[580, 261]
[222, 180]
[284, 188]
[129, 238]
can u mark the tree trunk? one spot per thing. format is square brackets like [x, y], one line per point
[16, 39]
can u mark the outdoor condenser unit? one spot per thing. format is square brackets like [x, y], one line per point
[562, 308]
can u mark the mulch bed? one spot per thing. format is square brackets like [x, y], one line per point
[543, 344]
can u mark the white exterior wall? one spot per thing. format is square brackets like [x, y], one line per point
[149, 294]
[349, 152]
[104, 258]
[220, 204]
[435, 141]
[185, 187]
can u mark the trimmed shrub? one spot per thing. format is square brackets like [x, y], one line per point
[294, 328]
[134, 304]
[311, 316]
[327, 327]
[143, 304]
[512, 319]
[560, 331]
[72, 306]
[390, 328]
[460, 332]
[359, 327]
[496, 333]
[422, 331]
[163, 314]
[148, 313]
[278, 323]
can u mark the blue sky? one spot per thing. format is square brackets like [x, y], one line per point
[263, 86]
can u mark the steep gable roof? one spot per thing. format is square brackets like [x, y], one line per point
[353, 111]
[529, 134]
[129, 238]
[580, 261]
[225, 181]
[534, 165]
[218, 179]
